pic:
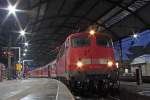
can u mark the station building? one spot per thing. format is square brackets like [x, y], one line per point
[142, 63]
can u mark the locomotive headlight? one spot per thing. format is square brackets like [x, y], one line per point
[110, 63]
[92, 32]
[79, 64]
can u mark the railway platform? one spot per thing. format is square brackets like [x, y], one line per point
[34, 89]
[132, 91]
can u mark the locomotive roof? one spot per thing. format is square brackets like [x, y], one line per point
[88, 34]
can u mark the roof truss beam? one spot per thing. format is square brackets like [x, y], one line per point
[132, 12]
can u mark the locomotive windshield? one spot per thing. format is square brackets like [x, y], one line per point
[80, 42]
[103, 41]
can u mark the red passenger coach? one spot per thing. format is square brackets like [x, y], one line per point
[85, 57]
[48, 70]
[39, 72]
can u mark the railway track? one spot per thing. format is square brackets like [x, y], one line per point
[96, 98]
[112, 98]
[90, 96]
[86, 94]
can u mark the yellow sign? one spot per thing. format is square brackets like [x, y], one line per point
[18, 67]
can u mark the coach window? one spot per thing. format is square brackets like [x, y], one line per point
[80, 42]
[103, 41]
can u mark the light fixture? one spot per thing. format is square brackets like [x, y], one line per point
[26, 43]
[92, 32]
[11, 9]
[24, 54]
[135, 35]
[25, 50]
[22, 32]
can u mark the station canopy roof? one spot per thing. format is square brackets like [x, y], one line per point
[51, 21]
[141, 60]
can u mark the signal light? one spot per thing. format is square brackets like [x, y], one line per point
[4, 52]
[117, 64]
[8, 53]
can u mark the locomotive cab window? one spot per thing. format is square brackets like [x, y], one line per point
[80, 42]
[103, 41]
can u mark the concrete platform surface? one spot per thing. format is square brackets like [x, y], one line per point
[132, 87]
[34, 89]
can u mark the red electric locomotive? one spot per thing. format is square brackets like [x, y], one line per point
[84, 60]
[87, 59]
